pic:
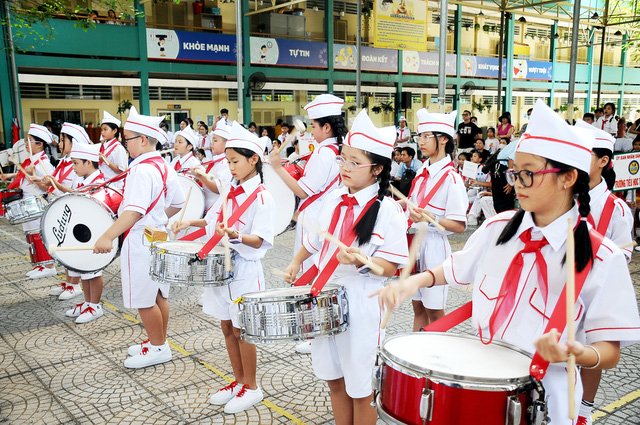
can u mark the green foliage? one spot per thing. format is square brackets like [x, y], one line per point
[123, 107]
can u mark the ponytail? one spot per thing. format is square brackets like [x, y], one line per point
[338, 127]
[364, 227]
[607, 172]
[583, 249]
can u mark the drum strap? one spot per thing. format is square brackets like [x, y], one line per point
[451, 320]
[212, 163]
[333, 263]
[65, 165]
[206, 249]
[432, 192]
[112, 148]
[310, 200]
[605, 218]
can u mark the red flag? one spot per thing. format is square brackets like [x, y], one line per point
[15, 131]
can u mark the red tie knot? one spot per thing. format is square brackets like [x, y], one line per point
[349, 201]
[529, 245]
[236, 191]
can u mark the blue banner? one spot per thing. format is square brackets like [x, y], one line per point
[270, 51]
[426, 62]
[190, 46]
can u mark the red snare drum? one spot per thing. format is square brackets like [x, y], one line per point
[37, 251]
[7, 196]
[79, 219]
[416, 266]
[296, 167]
[442, 379]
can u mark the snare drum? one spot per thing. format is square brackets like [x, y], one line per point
[7, 196]
[442, 379]
[5, 157]
[79, 219]
[177, 263]
[284, 198]
[293, 314]
[24, 210]
[37, 251]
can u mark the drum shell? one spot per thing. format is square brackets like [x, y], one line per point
[37, 251]
[293, 317]
[184, 269]
[8, 196]
[455, 399]
[24, 210]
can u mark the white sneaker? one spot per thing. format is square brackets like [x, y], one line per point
[69, 292]
[304, 347]
[472, 221]
[44, 272]
[89, 314]
[58, 289]
[148, 357]
[244, 400]
[75, 311]
[34, 270]
[225, 394]
[134, 350]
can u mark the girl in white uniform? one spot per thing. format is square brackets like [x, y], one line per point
[514, 299]
[612, 218]
[183, 154]
[218, 166]
[439, 192]
[37, 164]
[85, 159]
[379, 226]
[151, 195]
[321, 173]
[113, 156]
[204, 141]
[251, 236]
[63, 178]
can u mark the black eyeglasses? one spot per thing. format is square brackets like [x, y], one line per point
[526, 176]
[131, 138]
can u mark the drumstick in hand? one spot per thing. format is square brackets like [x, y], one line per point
[413, 254]
[427, 217]
[186, 202]
[628, 245]
[53, 248]
[300, 128]
[571, 333]
[227, 250]
[277, 272]
[199, 172]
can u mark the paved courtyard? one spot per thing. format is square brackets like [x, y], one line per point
[56, 372]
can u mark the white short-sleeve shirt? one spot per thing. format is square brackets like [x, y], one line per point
[188, 161]
[42, 169]
[620, 229]
[64, 173]
[218, 167]
[321, 169]
[117, 155]
[609, 125]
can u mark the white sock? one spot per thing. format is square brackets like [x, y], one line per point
[95, 306]
[155, 348]
[585, 409]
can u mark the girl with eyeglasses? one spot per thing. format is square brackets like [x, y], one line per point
[516, 262]
[438, 192]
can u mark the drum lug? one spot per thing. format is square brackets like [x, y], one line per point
[376, 378]
[538, 413]
[514, 411]
[426, 405]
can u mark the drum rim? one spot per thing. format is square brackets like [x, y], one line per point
[154, 251]
[27, 218]
[255, 339]
[99, 202]
[154, 247]
[328, 287]
[444, 377]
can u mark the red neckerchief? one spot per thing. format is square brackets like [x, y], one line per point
[212, 163]
[17, 182]
[99, 176]
[114, 144]
[62, 171]
[425, 201]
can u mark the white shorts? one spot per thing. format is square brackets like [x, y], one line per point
[219, 300]
[352, 354]
[84, 276]
[138, 289]
[434, 250]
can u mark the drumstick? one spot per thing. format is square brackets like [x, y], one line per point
[28, 188]
[299, 125]
[205, 175]
[53, 248]
[629, 245]
[105, 160]
[401, 196]
[413, 254]
[277, 272]
[186, 201]
[227, 250]
[166, 151]
[571, 333]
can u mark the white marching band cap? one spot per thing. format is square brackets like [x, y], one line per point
[222, 129]
[443, 123]
[364, 135]
[549, 136]
[189, 135]
[264, 140]
[144, 124]
[402, 118]
[163, 137]
[602, 140]
[240, 137]
[85, 151]
[107, 118]
[324, 105]
[42, 132]
[76, 131]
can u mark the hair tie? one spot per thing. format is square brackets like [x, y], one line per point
[583, 219]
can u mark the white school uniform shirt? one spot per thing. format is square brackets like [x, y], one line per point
[188, 161]
[402, 133]
[620, 229]
[606, 309]
[42, 169]
[117, 155]
[204, 142]
[351, 354]
[218, 168]
[609, 125]
[92, 178]
[65, 165]
[142, 186]
[320, 171]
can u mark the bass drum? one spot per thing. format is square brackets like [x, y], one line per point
[195, 207]
[79, 219]
[283, 197]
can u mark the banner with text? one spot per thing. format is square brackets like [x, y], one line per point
[627, 168]
[190, 46]
[401, 25]
[381, 60]
[270, 51]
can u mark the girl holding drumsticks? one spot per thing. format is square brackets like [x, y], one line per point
[514, 299]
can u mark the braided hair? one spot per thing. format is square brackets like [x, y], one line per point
[364, 227]
[338, 127]
[247, 153]
[583, 249]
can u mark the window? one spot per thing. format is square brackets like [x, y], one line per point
[65, 91]
[272, 95]
[232, 95]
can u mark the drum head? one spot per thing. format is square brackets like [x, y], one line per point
[195, 207]
[187, 247]
[77, 220]
[457, 357]
[283, 196]
[293, 292]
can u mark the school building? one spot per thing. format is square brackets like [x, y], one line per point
[179, 60]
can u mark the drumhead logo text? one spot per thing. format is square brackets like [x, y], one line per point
[60, 232]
